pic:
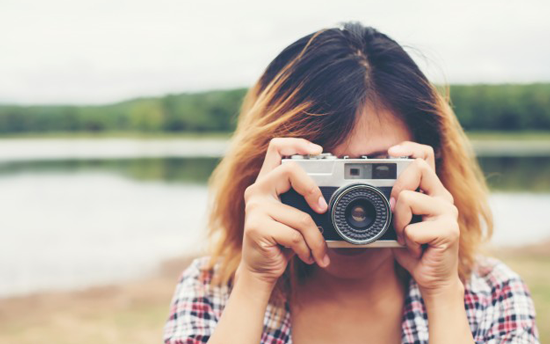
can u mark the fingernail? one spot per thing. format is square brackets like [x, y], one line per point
[322, 203]
[326, 260]
[395, 147]
[392, 203]
[315, 146]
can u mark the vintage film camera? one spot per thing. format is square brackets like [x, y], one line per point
[357, 192]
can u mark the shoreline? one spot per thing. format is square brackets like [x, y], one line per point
[19, 149]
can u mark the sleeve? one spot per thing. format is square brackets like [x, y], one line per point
[513, 319]
[191, 319]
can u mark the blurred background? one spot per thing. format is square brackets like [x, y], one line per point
[114, 113]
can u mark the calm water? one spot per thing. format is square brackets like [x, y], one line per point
[69, 223]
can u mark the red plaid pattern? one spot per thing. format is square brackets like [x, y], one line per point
[498, 306]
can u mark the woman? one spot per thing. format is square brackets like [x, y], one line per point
[271, 278]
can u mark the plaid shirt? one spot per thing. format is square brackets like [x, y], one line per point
[498, 306]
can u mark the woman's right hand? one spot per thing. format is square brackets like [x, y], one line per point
[273, 231]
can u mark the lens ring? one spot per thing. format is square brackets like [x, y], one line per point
[348, 195]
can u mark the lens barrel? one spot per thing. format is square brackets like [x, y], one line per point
[360, 213]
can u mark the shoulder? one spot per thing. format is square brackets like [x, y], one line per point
[195, 284]
[196, 281]
[494, 279]
[499, 303]
[199, 271]
[491, 274]
[196, 304]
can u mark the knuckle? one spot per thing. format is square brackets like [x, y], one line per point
[289, 168]
[407, 230]
[454, 230]
[304, 141]
[274, 143]
[450, 197]
[422, 164]
[406, 196]
[305, 220]
[430, 151]
[251, 205]
[318, 244]
[296, 238]
[396, 189]
[312, 190]
[454, 210]
[251, 232]
[249, 191]
[251, 226]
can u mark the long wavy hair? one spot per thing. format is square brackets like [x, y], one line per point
[315, 89]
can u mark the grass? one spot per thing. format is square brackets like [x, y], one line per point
[135, 312]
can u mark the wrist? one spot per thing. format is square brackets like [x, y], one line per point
[253, 284]
[447, 315]
[444, 296]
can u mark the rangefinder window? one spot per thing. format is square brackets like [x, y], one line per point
[384, 171]
[357, 171]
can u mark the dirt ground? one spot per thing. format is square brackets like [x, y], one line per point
[135, 312]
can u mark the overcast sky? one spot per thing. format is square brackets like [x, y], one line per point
[99, 51]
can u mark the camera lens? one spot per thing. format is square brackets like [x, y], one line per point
[360, 213]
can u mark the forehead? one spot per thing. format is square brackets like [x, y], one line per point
[375, 131]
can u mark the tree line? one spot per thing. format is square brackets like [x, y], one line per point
[506, 107]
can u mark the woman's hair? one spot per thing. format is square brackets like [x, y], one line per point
[315, 89]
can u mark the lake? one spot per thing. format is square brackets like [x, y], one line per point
[78, 213]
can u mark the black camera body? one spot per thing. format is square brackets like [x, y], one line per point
[357, 193]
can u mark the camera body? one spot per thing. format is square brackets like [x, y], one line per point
[357, 193]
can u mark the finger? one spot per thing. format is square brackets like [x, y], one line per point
[413, 247]
[285, 146]
[290, 238]
[441, 233]
[414, 150]
[412, 202]
[302, 222]
[291, 175]
[405, 258]
[420, 175]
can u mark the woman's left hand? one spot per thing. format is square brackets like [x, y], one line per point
[431, 254]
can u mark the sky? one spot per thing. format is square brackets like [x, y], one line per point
[101, 51]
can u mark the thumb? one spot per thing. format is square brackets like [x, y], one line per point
[405, 259]
[288, 253]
